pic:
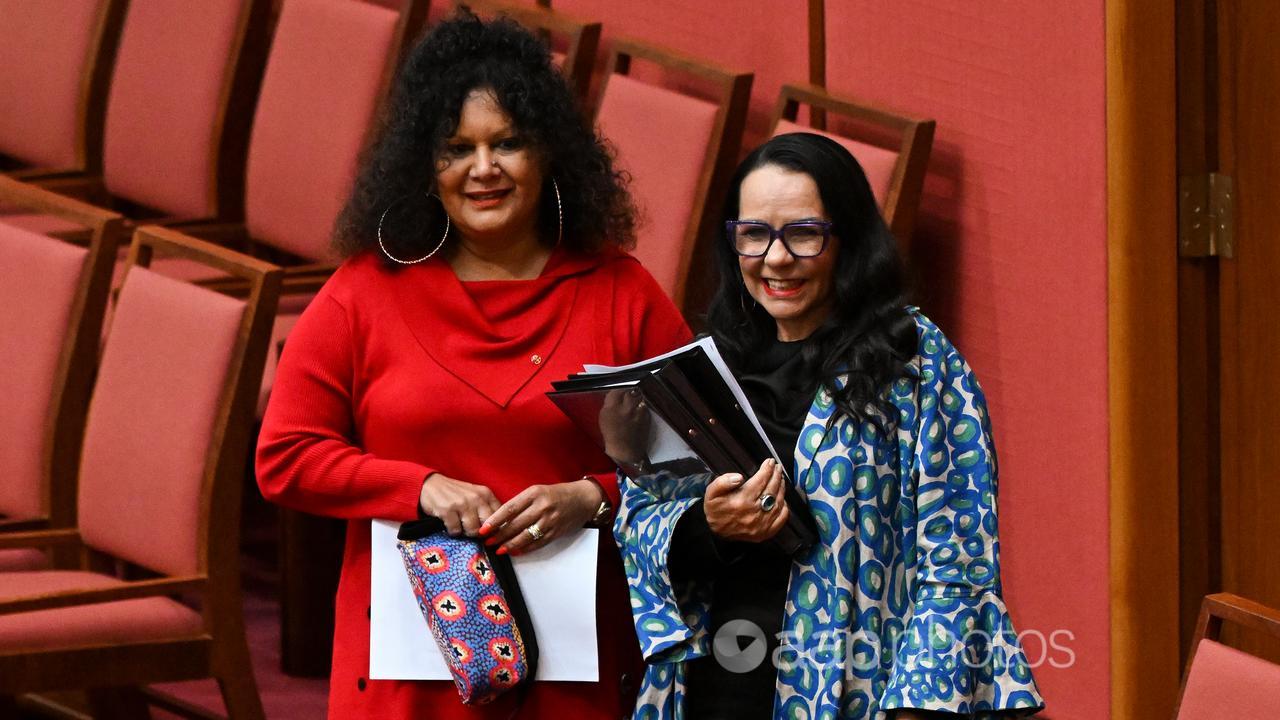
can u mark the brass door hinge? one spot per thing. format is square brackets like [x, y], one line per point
[1206, 216]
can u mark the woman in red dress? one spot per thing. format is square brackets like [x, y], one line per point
[483, 262]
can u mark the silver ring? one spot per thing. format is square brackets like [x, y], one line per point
[767, 502]
[535, 532]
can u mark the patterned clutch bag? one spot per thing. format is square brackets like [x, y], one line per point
[473, 606]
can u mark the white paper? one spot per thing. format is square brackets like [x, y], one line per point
[558, 582]
[708, 346]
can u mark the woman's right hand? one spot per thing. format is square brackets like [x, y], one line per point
[733, 507]
[463, 506]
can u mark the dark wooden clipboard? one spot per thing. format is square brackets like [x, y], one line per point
[708, 432]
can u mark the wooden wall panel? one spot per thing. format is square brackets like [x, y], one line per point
[1250, 296]
[1142, 345]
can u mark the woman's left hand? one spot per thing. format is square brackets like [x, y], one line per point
[556, 510]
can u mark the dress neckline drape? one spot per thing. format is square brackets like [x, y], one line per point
[494, 336]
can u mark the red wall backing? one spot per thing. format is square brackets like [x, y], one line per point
[1011, 252]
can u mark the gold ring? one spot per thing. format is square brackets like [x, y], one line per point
[535, 532]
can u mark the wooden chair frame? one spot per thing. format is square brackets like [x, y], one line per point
[1225, 606]
[226, 159]
[300, 277]
[78, 360]
[733, 93]
[412, 22]
[913, 141]
[220, 649]
[91, 109]
[583, 36]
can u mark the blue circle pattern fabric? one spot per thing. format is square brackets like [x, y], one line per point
[899, 605]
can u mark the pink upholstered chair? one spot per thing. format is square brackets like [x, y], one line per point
[329, 69]
[161, 473]
[680, 149]
[52, 300]
[1222, 682]
[573, 42]
[55, 65]
[176, 114]
[892, 149]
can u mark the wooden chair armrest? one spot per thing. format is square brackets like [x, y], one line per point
[41, 198]
[39, 538]
[304, 279]
[298, 280]
[235, 287]
[87, 188]
[1242, 611]
[311, 269]
[36, 174]
[232, 235]
[194, 226]
[94, 596]
[9, 525]
[305, 285]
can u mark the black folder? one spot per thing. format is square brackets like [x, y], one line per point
[687, 393]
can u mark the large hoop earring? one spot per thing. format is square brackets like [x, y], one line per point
[559, 213]
[436, 249]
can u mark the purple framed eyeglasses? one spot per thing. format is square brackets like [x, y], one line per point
[803, 239]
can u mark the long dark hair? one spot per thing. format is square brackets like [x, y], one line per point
[458, 56]
[869, 335]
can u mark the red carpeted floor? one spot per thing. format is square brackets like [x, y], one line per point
[283, 697]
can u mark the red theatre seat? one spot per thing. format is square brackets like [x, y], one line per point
[328, 71]
[51, 309]
[1222, 682]
[892, 149]
[55, 63]
[573, 42]
[680, 149]
[184, 75]
[160, 479]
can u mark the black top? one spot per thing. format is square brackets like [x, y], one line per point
[748, 581]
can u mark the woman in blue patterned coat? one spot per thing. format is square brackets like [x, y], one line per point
[896, 612]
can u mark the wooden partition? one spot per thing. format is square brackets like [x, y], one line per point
[1143, 365]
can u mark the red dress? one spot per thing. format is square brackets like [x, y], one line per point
[391, 375]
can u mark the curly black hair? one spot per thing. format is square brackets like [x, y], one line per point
[869, 336]
[458, 56]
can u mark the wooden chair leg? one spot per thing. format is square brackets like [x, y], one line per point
[118, 703]
[240, 694]
[234, 670]
[8, 707]
[310, 563]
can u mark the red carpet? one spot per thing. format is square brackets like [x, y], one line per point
[283, 697]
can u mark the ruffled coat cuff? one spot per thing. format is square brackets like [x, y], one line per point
[959, 654]
[670, 620]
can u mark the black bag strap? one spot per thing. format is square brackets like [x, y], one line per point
[420, 528]
[506, 575]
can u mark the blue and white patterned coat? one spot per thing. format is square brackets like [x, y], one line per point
[899, 604]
